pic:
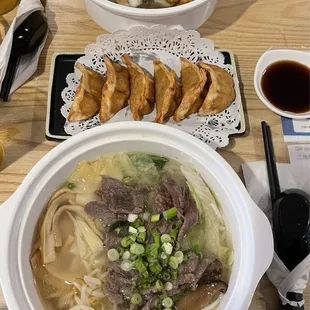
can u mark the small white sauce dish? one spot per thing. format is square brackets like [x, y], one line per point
[269, 58]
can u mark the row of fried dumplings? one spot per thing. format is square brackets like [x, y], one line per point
[204, 89]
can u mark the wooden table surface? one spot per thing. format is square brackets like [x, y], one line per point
[247, 27]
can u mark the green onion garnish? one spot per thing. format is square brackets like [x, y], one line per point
[156, 236]
[166, 276]
[155, 267]
[132, 230]
[179, 256]
[137, 249]
[113, 255]
[126, 242]
[71, 185]
[141, 237]
[152, 251]
[165, 238]
[155, 218]
[167, 302]
[159, 286]
[174, 275]
[141, 229]
[168, 286]
[167, 247]
[173, 262]
[126, 255]
[170, 214]
[136, 299]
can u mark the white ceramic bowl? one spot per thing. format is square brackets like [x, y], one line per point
[267, 59]
[112, 16]
[250, 229]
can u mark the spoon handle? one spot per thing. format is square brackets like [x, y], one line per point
[9, 78]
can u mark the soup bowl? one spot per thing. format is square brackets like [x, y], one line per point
[249, 228]
[112, 16]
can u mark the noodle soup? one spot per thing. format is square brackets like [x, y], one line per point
[131, 231]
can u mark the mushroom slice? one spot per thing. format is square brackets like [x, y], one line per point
[220, 90]
[141, 100]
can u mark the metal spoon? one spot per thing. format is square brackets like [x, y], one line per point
[26, 39]
[290, 216]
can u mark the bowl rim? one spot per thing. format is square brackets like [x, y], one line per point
[281, 54]
[139, 12]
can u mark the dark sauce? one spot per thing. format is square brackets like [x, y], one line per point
[286, 84]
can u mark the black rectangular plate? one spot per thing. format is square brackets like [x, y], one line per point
[63, 65]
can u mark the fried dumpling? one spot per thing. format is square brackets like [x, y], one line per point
[193, 80]
[220, 90]
[115, 91]
[167, 91]
[141, 100]
[88, 95]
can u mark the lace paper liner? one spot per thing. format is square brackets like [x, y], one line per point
[144, 45]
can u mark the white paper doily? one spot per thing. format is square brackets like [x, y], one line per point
[144, 45]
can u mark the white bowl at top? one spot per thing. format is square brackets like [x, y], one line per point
[112, 16]
[267, 59]
[250, 229]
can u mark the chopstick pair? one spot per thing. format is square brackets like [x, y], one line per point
[271, 163]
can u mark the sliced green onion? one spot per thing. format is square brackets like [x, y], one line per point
[133, 238]
[126, 265]
[155, 218]
[120, 251]
[167, 302]
[146, 216]
[179, 256]
[71, 185]
[173, 262]
[159, 286]
[132, 230]
[170, 214]
[167, 308]
[163, 255]
[173, 233]
[137, 223]
[126, 242]
[134, 284]
[132, 217]
[168, 286]
[163, 296]
[141, 229]
[176, 298]
[156, 236]
[141, 236]
[167, 247]
[126, 255]
[166, 276]
[140, 265]
[145, 274]
[152, 251]
[136, 299]
[155, 267]
[113, 255]
[174, 274]
[137, 249]
[165, 238]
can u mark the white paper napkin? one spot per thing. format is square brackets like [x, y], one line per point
[28, 64]
[291, 176]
